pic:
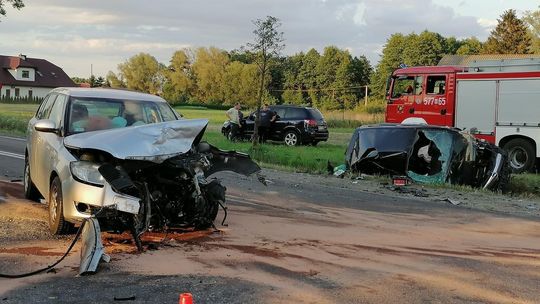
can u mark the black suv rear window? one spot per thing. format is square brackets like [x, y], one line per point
[295, 113]
[315, 114]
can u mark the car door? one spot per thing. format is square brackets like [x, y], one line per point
[35, 143]
[249, 125]
[277, 127]
[46, 153]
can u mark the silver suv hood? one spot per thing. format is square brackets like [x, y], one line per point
[152, 142]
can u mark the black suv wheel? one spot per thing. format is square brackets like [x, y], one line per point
[291, 138]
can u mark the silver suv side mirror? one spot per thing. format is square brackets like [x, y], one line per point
[46, 125]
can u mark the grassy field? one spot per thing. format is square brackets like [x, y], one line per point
[299, 159]
[14, 117]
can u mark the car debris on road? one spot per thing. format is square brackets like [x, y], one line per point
[428, 154]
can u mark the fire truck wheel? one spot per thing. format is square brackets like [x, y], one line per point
[521, 155]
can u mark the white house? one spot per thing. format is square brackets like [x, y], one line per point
[25, 77]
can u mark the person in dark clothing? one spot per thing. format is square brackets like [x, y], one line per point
[265, 122]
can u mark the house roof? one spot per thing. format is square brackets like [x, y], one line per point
[466, 60]
[47, 74]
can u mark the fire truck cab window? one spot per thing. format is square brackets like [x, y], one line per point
[436, 85]
[407, 85]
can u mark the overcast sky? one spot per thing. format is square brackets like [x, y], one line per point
[77, 34]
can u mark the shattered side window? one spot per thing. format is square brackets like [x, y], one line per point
[431, 156]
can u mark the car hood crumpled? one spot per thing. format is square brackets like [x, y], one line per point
[152, 142]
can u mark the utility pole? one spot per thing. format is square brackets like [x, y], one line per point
[365, 96]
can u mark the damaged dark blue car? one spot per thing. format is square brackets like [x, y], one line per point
[428, 154]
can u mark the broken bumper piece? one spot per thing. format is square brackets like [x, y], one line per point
[92, 251]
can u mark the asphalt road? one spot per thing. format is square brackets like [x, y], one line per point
[11, 157]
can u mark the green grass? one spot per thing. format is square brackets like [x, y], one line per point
[25, 111]
[13, 124]
[214, 116]
[527, 185]
[14, 118]
[300, 159]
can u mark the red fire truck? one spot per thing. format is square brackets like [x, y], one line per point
[496, 100]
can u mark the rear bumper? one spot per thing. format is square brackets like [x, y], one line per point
[316, 135]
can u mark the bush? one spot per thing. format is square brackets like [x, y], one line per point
[375, 108]
[21, 100]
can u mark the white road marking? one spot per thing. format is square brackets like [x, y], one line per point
[14, 155]
[13, 138]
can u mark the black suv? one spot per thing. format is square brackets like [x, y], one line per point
[294, 125]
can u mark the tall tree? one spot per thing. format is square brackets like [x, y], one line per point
[333, 76]
[179, 77]
[18, 4]
[307, 76]
[267, 44]
[451, 45]
[292, 84]
[532, 19]
[142, 72]
[392, 57]
[470, 46]
[241, 83]
[424, 49]
[209, 71]
[361, 73]
[509, 37]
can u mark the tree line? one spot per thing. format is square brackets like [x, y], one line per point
[331, 79]
[210, 75]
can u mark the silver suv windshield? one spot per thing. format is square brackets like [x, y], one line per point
[92, 114]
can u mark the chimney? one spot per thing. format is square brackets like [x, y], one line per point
[22, 57]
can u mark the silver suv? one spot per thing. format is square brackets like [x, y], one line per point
[126, 157]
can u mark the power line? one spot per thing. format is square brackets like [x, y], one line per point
[354, 88]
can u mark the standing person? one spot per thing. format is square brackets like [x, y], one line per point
[234, 117]
[267, 118]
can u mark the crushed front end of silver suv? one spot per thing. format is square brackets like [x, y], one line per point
[428, 154]
[158, 176]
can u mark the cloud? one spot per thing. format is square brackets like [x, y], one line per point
[149, 28]
[487, 23]
[108, 31]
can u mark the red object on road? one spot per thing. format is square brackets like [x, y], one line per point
[185, 298]
[400, 181]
